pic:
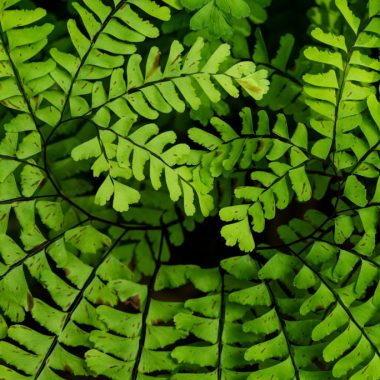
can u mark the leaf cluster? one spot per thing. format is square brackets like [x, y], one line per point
[120, 133]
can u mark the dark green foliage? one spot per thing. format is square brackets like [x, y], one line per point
[125, 127]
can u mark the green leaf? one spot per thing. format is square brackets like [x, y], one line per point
[162, 336]
[203, 328]
[105, 191]
[120, 347]
[11, 354]
[374, 108]
[283, 53]
[252, 296]
[87, 239]
[320, 300]
[81, 43]
[349, 16]
[90, 148]
[260, 54]
[100, 363]
[355, 191]
[344, 228]
[327, 79]
[239, 233]
[242, 267]
[279, 267]
[265, 324]
[330, 39]
[17, 18]
[283, 370]
[31, 179]
[374, 8]
[301, 184]
[255, 84]
[153, 9]
[200, 356]
[51, 214]
[275, 347]
[209, 306]
[29, 146]
[324, 56]
[305, 278]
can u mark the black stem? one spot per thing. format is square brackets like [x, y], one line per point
[135, 370]
[221, 324]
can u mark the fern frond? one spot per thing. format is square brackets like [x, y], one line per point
[153, 334]
[23, 79]
[95, 275]
[285, 93]
[273, 190]
[111, 34]
[230, 149]
[122, 154]
[346, 69]
[158, 91]
[279, 355]
[344, 297]
[94, 64]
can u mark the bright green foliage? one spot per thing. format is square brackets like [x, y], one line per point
[219, 16]
[119, 135]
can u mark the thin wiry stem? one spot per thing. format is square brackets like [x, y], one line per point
[221, 324]
[28, 199]
[353, 252]
[364, 157]
[135, 370]
[284, 331]
[25, 162]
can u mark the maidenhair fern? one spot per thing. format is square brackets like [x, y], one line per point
[128, 126]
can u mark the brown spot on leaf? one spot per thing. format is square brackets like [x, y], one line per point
[249, 87]
[68, 369]
[132, 265]
[320, 364]
[134, 301]
[176, 59]
[260, 146]
[155, 66]
[30, 301]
